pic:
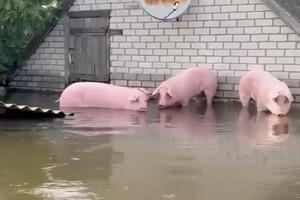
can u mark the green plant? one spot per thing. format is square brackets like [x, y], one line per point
[20, 22]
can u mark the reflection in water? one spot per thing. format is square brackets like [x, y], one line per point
[26, 142]
[21, 157]
[190, 127]
[91, 122]
[189, 121]
[262, 129]
[86, 162]
[74, 166]
[188, 153]
[61, 189]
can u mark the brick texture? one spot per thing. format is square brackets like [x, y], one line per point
[45, 69]
[229, 36]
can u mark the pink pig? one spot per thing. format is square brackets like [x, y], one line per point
[186, 85]
[268, 92]
[102, 95]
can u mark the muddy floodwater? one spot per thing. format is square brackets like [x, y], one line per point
[195, 153]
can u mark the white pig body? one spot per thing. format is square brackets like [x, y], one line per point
[268, 92]
[102, 95]
[186, 85]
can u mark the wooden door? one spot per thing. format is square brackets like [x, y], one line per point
[88, 58]
[88, 52]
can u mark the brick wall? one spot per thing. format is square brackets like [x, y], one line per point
[45, 69]
[229, 36]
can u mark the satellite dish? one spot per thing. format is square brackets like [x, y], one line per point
[165, 9]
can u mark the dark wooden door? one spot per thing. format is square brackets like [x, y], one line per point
[88, 58]
[88, 49]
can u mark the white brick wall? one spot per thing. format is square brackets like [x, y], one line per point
[45, 69]
[230, 36]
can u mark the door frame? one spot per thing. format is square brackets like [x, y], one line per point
[85, 14]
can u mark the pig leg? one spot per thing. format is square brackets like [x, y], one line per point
[260, 106]
[209, 96]
[244, 98]
[209, 100]
[198, 98]
[185, 102]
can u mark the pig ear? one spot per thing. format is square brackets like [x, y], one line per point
[169, 92]
[155, 92]
[133, 97]
[273, 95]
[290, 97]
[144, 91]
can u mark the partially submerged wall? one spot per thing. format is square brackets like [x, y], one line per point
[229, 36]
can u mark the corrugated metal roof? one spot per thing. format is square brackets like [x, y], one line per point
[10, 109]
[288, 11]
[291, 6]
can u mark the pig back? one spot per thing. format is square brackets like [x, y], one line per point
[207, 78]
[107, 95]
[198, 77]
[256, 82]
[94, 94]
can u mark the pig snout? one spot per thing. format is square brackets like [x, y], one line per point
[161, 106]
[280, 113]
[143, 109]
[162, 103]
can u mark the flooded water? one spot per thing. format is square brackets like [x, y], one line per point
[193, 153]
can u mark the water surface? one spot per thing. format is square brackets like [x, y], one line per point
[187, 154]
